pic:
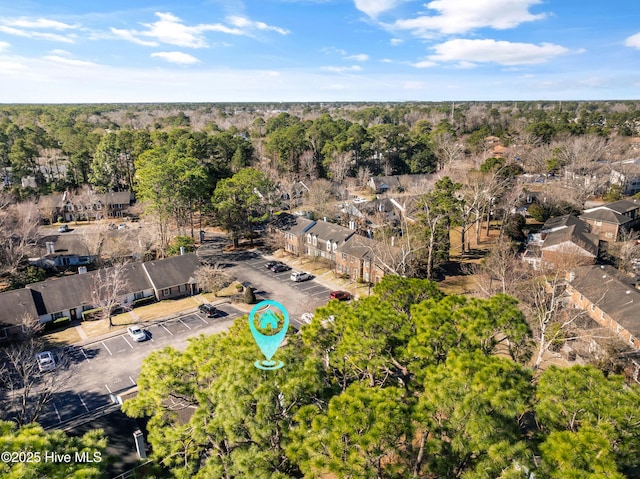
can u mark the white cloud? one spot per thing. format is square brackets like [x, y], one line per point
[633, 41]
[424, 64]
[69, 61]
[24, 22]
[360, 57]
[461, 16]
[128, 35]
[11, 67]
[492, 51]
[55, 37]
[176, 57]
[4, 46]
[246, 24]
[396, 41]
[353, 68]
[171, 30]
[373, 8]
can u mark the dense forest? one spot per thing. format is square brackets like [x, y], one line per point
[408, 383]
[66, 146]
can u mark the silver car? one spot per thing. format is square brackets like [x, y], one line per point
[136, 333]
[46, 361]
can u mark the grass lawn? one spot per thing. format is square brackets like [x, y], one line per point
[63, 337]
[166, 308]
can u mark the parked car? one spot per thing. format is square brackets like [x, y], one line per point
[46, 361]
[63, 228]
[280, 267]
[136, 333]
[209, 310]
[271, 264]
[340, 295]
[298, 276]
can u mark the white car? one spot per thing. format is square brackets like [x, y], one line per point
[136, 333]
[46, 361]
[298, 276]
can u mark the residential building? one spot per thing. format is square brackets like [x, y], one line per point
[85, 206]
[609, 221]
[292, 228]
[363, 259]
[18, 308]
[323, 239]
[563, 241]
[609, 298]
[70, 296]
[626, 174]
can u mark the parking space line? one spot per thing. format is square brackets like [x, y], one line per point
[82, 401]
[107, 388]
[134, 383]
[188, 327]
[165, 328]
[56, 410]
[127, 341]
[85, 354]
[203, 320]
[105, 347]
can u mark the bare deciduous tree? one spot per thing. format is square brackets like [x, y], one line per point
[339, 166]
[501, 271]
[448, 149]
[626, 251]
[27, 389]
[19, 224]
[212, 279]
[319, 197]
[109, 285]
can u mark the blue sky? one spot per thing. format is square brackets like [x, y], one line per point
[318, 50]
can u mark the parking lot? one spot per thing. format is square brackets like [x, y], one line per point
[103, 369]
[310, 288]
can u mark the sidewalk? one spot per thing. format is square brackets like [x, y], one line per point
[86, 336]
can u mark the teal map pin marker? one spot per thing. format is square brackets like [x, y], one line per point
[270, 336]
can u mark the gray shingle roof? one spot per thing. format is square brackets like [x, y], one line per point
[15, 304]
[610, 291]
[608, 216]
[172, 271]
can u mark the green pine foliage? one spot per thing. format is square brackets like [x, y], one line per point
[407, 383]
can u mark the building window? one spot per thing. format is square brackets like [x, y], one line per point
[57, 315]
[138, 295]
[598, 223]
[180, 288]
[329, 245]
[166, 292]
[334, 247]
[309, 238]
[593, 307]
[315, 241]
[344, 256]
[602, 315]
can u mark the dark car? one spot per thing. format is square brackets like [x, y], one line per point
[340, 295]
[279, 268]
[271, 264]
[209, 310]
